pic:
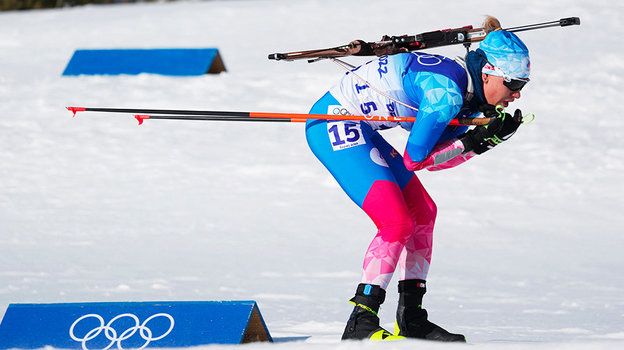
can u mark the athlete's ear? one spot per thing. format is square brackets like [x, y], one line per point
[485, 77]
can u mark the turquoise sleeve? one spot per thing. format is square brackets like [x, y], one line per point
[439, 99]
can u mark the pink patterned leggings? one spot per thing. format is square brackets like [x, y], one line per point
[372, 173]
[405, 220]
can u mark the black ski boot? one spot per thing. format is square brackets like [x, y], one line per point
[411, 321]
[364, 322]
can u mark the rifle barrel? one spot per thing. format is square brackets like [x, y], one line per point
[564, 22]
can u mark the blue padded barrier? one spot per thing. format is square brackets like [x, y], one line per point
[176, 62]
[131, 325]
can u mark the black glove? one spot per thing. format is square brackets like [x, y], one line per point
[501, 127]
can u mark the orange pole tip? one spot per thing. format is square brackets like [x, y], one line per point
[76, 109]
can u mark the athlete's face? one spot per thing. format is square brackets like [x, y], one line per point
[496, 93]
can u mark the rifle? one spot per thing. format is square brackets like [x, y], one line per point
[390, 45]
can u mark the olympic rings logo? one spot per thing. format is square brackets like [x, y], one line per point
[340, 111]
[111, 334]
[428, 60]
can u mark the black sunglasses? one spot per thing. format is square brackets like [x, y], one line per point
[515, 84]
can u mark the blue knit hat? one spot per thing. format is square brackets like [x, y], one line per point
[506, 54]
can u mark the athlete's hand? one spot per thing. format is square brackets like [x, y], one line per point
[501, 127]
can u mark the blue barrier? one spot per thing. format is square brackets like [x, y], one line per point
[131, 325]
[177, 62]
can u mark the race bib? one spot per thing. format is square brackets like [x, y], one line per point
[344, 134]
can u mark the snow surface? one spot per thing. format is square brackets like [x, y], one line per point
[528, 243]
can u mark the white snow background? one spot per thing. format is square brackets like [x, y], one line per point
[529, 238]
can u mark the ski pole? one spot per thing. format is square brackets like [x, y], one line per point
[176, 114]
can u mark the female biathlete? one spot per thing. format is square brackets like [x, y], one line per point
[434, 89]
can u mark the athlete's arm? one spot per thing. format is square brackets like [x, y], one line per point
[440, 101]
[445, 155]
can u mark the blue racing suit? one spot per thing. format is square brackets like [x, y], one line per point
[432, 88]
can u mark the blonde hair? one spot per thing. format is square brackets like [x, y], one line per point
[491, 24]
